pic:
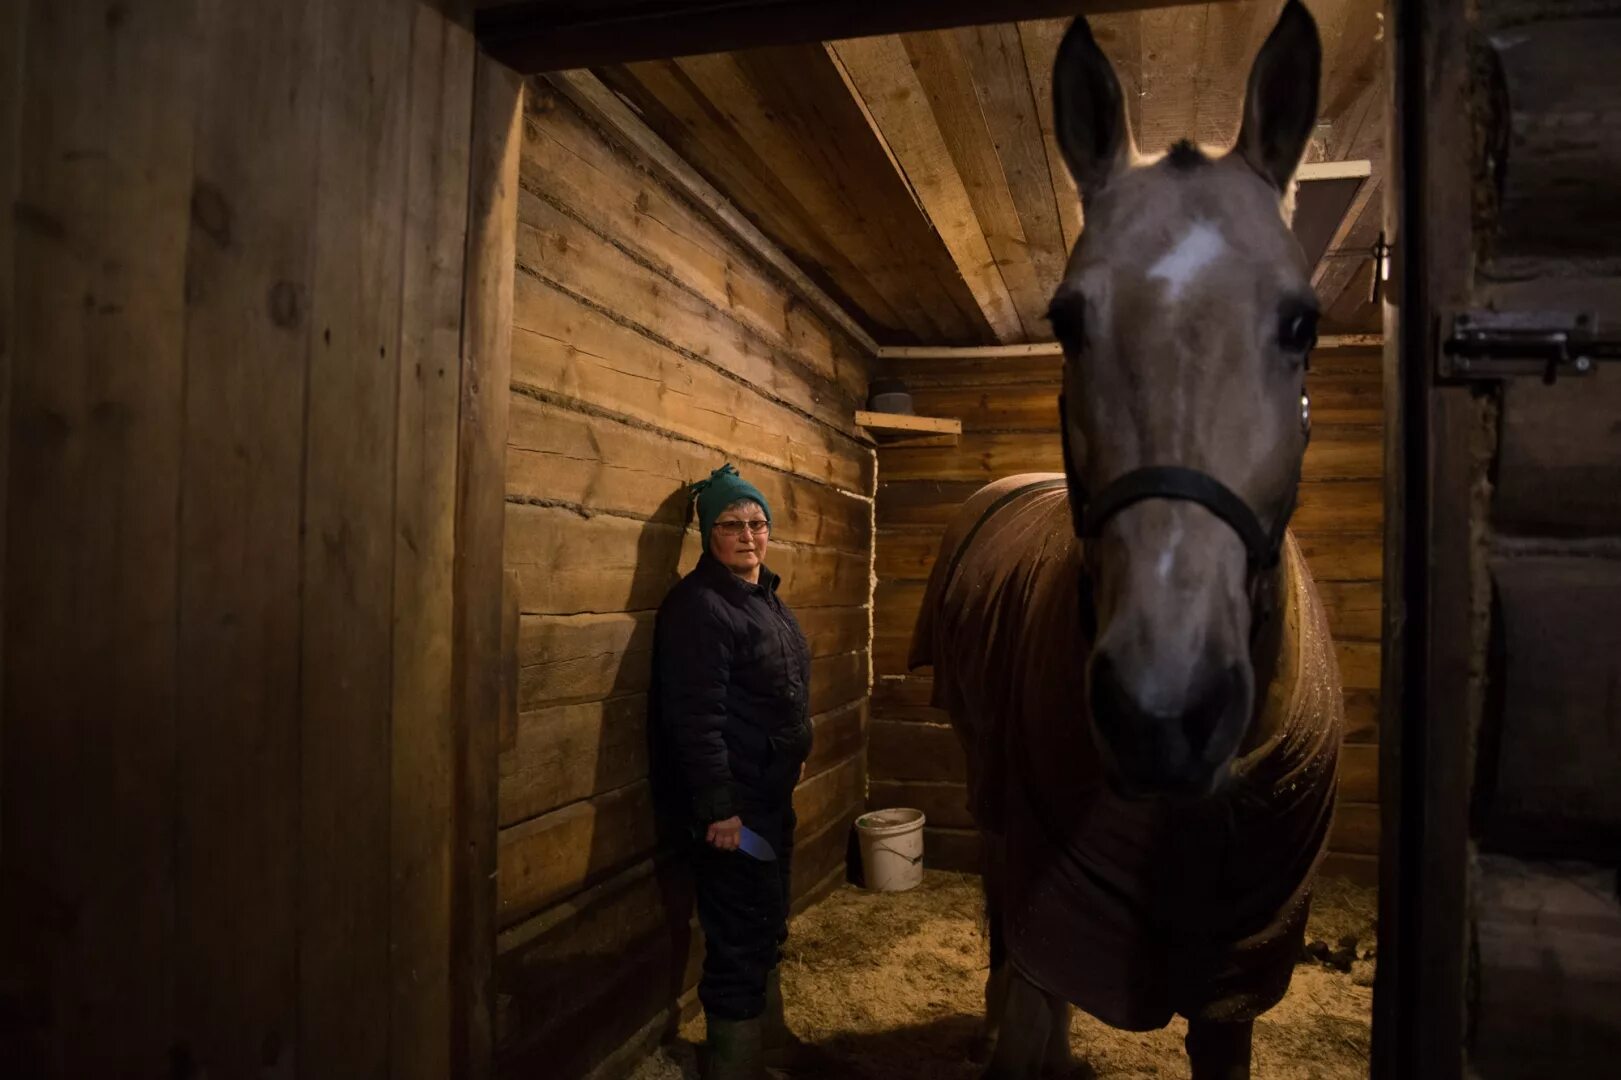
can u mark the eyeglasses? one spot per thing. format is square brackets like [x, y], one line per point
[735, 529]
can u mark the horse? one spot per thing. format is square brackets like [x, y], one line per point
[1133, 652]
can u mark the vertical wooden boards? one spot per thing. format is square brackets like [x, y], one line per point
[234, 385]
[423, 782]
[479, 581]
[349, 551]
[247, 344]
[102, 206]
[11, 105]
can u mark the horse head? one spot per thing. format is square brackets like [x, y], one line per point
[1186, 315]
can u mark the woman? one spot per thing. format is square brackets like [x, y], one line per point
[733, 672]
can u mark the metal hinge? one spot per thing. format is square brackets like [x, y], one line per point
[1504, 344]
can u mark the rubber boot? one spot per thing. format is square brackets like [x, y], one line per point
[783, 1049]
[734, 1050]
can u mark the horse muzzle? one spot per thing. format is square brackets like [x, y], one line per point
[1156, 741]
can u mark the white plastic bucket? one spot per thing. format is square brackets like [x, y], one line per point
[891, 848]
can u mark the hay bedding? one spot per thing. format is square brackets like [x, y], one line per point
[891, 986]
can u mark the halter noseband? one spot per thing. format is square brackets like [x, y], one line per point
[1187, 485]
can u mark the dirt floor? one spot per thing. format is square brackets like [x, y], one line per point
[891, 986]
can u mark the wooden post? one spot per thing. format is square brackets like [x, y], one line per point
[480, 506]
[423, 1012]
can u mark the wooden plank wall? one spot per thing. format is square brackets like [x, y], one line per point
[235, 382]
[1009, 410]
[648, 349]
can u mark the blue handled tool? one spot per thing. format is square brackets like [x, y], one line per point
[753, 844]
[749, 843]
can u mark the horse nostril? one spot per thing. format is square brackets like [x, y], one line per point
[1112, 707]
[1204, 714]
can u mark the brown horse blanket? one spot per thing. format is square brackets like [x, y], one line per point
[1132, 910]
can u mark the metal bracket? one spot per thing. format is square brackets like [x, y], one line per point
[1507, 344]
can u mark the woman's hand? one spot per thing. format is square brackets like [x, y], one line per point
[725, 835]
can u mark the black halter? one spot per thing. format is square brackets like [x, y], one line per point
[1262, 546]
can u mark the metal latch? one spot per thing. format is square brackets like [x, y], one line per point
[1503, 344]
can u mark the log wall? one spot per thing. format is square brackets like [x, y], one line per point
[1009, 410]
[648, 349]
[237, 382]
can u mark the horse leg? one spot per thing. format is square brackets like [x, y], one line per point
[1058, 1060]
[1024, 1034]
[996, 983]
[1220, 1051]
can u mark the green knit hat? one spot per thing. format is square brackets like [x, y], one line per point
[723, 488]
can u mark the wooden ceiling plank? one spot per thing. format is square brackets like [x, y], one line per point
[943, 72]
[1002, 81]
[1351, 32]
[608, 111]
[736, 104]
[1040, 40]
[1172, 43]
[676, 110]
[894, 99]
[1233, 34]
[854, 157]
[780, 103]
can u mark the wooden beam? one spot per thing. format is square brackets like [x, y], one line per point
[545, 35]
[1052, 348]
[1334, 170]
[605, 107]
[883, 81]
[477, 669]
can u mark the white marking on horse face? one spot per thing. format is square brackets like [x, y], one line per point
[1167, 558]
[1198, 248]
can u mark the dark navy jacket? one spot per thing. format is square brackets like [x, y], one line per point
[730, 695]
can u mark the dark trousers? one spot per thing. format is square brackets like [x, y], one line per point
[743, 909]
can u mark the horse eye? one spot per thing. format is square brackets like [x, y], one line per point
[1297, 330]
[1068, 318]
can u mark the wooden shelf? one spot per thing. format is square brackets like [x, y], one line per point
[904, 424]
[901, 429]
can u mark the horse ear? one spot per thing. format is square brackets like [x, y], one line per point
[1281, 104]
[1089, 112]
